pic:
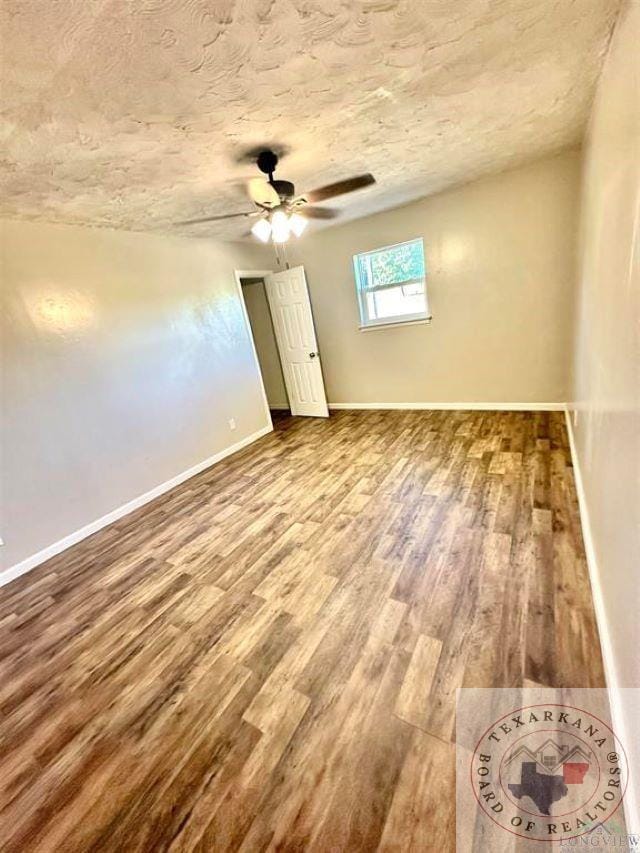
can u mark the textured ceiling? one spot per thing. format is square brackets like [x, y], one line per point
[131, 113]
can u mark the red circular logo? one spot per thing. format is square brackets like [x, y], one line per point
[549, 772]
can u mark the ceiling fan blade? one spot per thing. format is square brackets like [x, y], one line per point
[214, 218]
[340, 188]
[263, 193]
[318, 212]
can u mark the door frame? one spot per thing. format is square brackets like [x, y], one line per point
[238, 275]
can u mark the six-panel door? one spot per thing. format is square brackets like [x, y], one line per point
[296, 338]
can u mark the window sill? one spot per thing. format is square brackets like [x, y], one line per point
[425, 321]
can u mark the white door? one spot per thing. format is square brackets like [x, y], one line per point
[296, 338]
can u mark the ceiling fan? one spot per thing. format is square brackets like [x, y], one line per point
[279, 211]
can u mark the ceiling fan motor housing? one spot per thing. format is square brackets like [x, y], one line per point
[285, 189]
[267, 161]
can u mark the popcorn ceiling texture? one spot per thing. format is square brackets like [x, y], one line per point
[132, 114]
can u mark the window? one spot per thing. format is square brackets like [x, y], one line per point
[391, 285]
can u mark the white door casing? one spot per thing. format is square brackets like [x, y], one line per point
[290, 306]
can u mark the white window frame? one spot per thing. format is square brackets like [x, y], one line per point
[398, 320]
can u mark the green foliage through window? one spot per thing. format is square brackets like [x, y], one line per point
[391, 265]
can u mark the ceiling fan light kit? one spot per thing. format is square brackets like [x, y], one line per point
[297, 223]
[262, 230]
[278, 226]
[280, 231]
[278, 206]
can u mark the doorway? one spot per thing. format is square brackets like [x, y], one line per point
[280, 321]
[264, 340]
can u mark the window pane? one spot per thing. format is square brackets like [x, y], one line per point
[391, 284]
[394, 302]
[413, 289]
[394, 264]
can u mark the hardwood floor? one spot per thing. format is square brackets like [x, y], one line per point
[267, 657]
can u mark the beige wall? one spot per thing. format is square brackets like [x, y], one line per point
[255, 298]
[124, 356]
[607, 391]
[500, 255]
[607, 375]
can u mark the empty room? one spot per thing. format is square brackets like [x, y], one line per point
[320, 448]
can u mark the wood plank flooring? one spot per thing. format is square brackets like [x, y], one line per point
[266, 658]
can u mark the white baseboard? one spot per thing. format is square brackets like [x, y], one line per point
[618, 712]
[62, 544]
[489, 407]
[592, 563]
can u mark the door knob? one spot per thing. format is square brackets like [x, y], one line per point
[313, 354]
